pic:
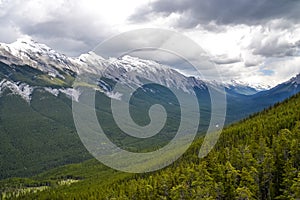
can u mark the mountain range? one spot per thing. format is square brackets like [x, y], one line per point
[36, 125]
[56, 68]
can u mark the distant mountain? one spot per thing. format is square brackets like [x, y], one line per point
[280, 92]
[240, 87]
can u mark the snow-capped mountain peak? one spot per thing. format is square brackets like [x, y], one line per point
[240, 87]
[258, 87]
[28, 44]
[138, 64]
[25, 51]
[130, 70]
[91, 56]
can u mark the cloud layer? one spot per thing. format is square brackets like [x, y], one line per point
[199, 12]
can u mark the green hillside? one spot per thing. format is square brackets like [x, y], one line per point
[32, 140]
[257, 158]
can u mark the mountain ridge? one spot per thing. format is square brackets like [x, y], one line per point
[42, 57]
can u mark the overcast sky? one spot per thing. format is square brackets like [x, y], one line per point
[254, 41]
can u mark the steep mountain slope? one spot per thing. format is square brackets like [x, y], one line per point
[38, 136]
[257, 158]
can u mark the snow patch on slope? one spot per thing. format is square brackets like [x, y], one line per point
[114, 95]
[69, 92]
[72, 93]
[17, 88]
[53, 91]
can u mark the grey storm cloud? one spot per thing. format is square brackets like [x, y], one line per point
[72, 36]
[66, 26]
[273, 42]
[274, 48]
[225, 61]
[195, 12]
